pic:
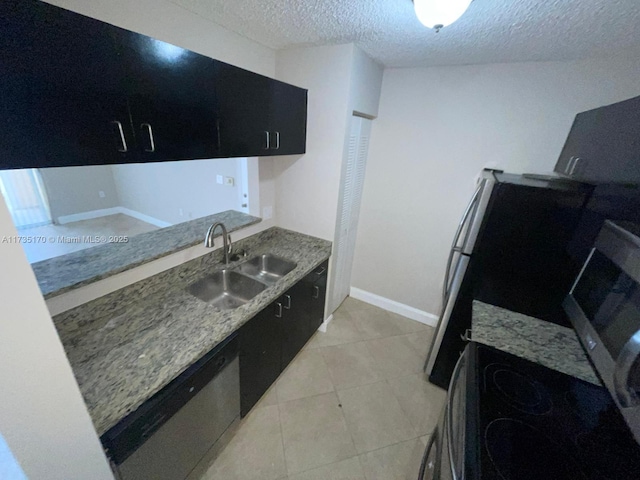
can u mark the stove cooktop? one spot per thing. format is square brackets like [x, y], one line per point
[533, 423]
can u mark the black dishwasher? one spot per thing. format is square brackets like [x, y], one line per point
[166, 437]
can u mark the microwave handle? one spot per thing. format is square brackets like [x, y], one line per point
[628, 356]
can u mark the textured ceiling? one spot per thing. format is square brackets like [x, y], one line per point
[490, 31]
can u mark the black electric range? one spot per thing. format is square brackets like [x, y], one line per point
[527, 422]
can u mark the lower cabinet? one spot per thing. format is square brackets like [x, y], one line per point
[271, 339]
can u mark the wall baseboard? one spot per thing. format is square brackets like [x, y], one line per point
[105, 212]
[78, 217]
[394, 307]
[325, 324]
[144, 218]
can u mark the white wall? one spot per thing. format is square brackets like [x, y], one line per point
[366, 84]
[307, 185]
[161, 190]
[341, 79]
[73, 190]
[166, 21]
[42, 415]
[437, 128]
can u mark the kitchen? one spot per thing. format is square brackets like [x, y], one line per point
[512, 116]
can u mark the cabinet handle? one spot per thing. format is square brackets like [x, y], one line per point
[277, 141]
[288, 305]
[575, 165]
[218, 132]
[268, 145]
[466, 336]
[151, 141]
[124, 148]
[568, 167]
[279, 312]
[321, 271]
[316, 292]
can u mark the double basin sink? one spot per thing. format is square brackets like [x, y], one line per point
[232, 287]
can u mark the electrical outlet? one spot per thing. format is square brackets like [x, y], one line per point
[229, 181]
[267, 213]
[101, 194]
[219, 179]
[181, 213]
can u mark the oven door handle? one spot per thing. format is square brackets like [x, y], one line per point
[449, 415]
[627, 358]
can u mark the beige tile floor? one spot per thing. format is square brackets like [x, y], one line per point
[353, 404]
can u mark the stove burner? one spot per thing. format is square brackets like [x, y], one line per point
[521, 391]
[520, 452]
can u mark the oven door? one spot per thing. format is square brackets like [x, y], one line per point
[444, 456]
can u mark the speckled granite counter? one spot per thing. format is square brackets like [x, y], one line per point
[61, 274]
[126, 346]
[541, 342]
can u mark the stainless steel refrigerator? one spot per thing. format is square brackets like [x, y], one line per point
[510, 250]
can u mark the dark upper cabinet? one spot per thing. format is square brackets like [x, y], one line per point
[77, 91]
[244, 100]
[259, 115]
[604, 145]
[62, 79]
[288, 119]
[171, 99]
[580, 144]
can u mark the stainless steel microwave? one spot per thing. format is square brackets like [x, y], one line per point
[604, 307]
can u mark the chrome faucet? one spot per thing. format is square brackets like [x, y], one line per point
[208, 239]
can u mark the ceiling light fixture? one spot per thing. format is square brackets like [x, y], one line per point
[437, 14]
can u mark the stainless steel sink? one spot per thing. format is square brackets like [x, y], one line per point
[226, 289]
[266, 268]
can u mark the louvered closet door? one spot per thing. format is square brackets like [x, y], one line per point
[353, 182]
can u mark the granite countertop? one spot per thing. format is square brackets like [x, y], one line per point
[67, 272]
[545, 343]
[126, 346]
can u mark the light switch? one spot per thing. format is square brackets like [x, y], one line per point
[101, 194]
[219, 179]
[229, 181]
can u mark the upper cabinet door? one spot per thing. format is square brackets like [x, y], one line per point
[288, 119]
[61, 101]
[171, 98]
[581, 144]
[244, 99]
[604, 145]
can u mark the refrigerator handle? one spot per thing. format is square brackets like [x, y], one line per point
[455, 248]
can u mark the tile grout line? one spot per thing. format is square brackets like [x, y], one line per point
[284, 452]
[364, 340]
[346, 424]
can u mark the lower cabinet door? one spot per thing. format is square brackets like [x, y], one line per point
[260, 356]
[305, 314]
[317, 281]
[294, 322]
